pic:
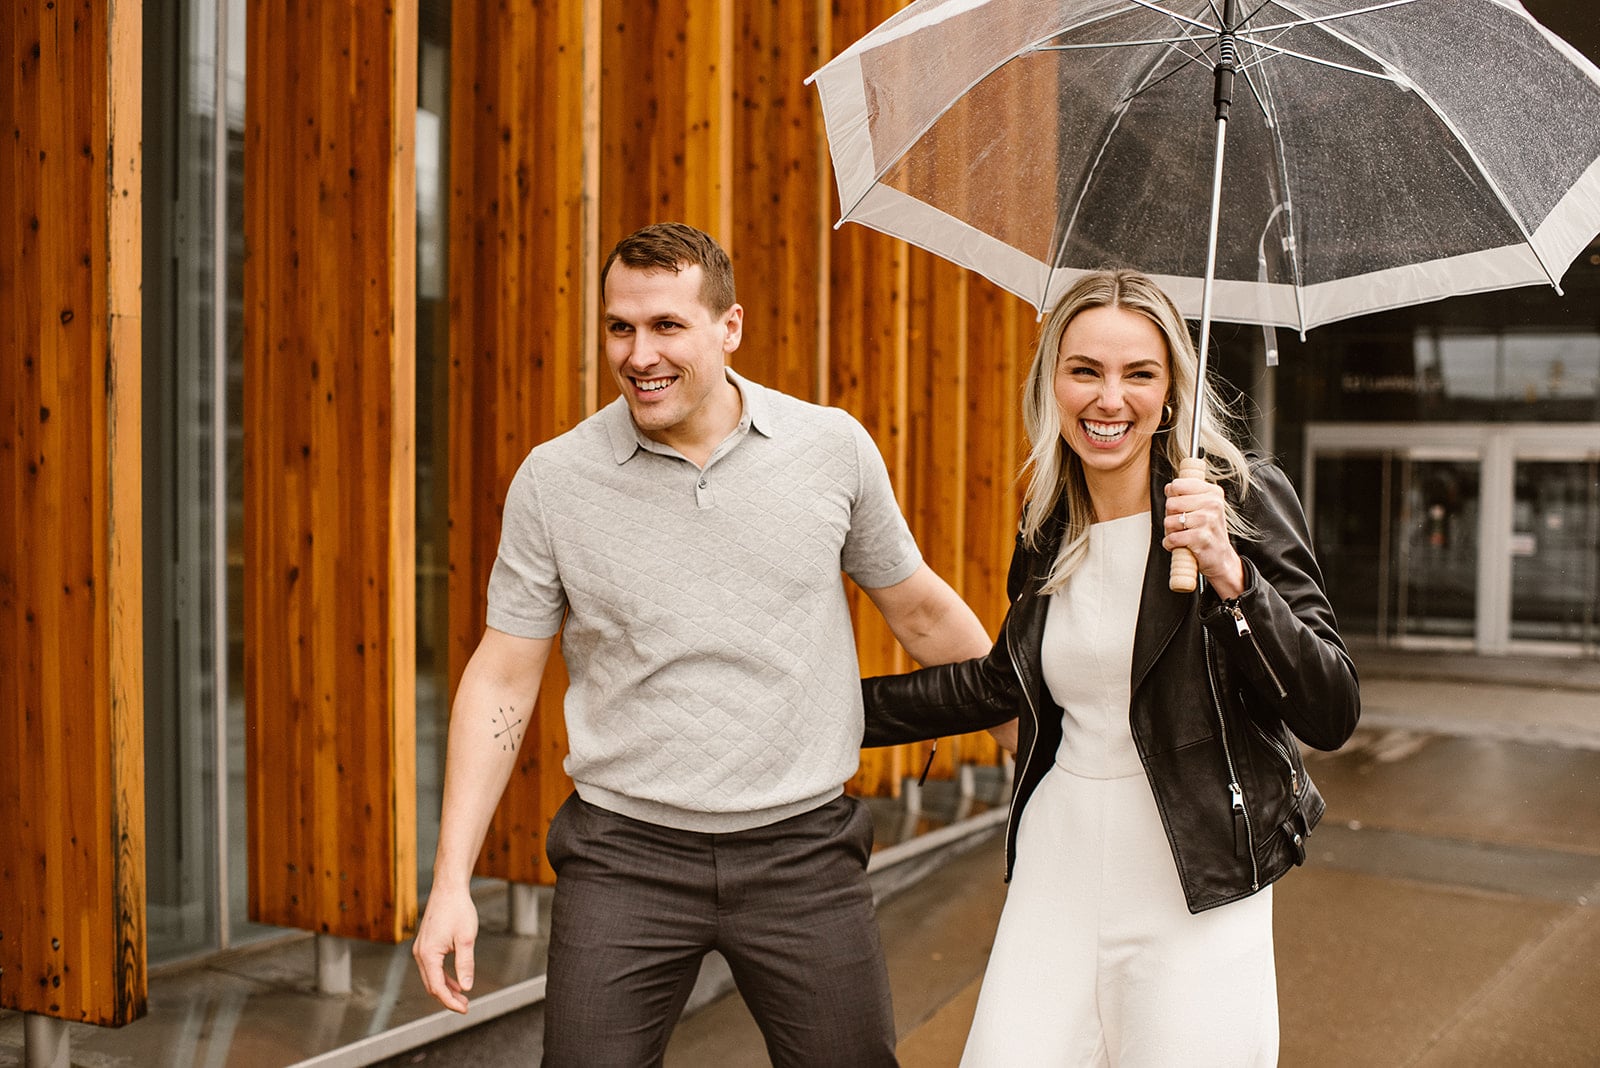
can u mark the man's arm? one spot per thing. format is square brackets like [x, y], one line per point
[937, 627]
[930, 619]
[491, 714]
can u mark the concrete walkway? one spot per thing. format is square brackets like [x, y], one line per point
[1447, 915]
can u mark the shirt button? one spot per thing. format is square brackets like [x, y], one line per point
[702, 483]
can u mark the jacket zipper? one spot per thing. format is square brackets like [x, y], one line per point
[1243, 627]
[1283, 755]
[1022, 768]
[1241, 815]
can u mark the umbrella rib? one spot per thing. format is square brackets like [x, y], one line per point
[1174, 44]
[1445, 119]
[1175, 16]
[878, 175]
[1058, 240]
[1286, 201]
[1279, 50]
[1252, 34]
[1316, 20]
[1180, 39]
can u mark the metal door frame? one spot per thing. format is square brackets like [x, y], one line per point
[1497, 447]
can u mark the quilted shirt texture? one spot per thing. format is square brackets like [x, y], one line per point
[713, 676]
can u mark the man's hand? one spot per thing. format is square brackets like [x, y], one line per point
[450, 925]
[494, 701]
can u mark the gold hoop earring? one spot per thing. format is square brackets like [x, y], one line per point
[1169, 418]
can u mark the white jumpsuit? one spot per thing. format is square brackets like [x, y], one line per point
[1097, 959]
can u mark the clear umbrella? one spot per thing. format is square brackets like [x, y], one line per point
[1378, 153]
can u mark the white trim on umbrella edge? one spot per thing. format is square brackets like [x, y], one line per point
[1565, 233]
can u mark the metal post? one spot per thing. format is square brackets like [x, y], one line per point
[911, 794]
[44, 1042]
[1227, 63]
[522, 908]
[1185, 573]
[333, 965]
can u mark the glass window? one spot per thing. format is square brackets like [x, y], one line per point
[192, 318]
[433, 446]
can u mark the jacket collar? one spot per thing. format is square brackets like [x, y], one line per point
[1161, 612]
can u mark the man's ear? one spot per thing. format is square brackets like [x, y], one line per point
[733, 323]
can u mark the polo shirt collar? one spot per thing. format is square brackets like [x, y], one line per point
[626, 439]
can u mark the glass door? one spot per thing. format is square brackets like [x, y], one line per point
[1555, 551]
[1352, 535]
[1436, 547]
[1396, 533]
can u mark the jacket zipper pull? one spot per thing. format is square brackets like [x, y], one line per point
[1243, 627]
[1240, 835]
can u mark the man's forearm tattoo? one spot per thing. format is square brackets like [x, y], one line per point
[509, 733]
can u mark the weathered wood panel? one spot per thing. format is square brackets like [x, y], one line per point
[523, 329]
[665, 124]
[329, 478]
[665, 116]
[1001, 329]
[868, 314]
[72, 908]
[936, 417]
[780, 196]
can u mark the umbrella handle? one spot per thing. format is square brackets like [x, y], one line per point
[1185, 569]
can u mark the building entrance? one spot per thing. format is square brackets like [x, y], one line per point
[1463, 536]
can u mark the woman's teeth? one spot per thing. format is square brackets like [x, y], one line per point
[1105, 432]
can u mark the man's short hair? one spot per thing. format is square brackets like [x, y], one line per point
[672, 246]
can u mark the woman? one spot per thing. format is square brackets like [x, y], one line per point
[1158, 792]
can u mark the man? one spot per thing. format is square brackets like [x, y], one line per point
[687, 543]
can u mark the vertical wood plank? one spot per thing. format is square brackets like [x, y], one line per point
[665, 104]
[522, 365]
[1001, 329]
[937, 343]
[329, 415]
[72, 929]
[868, 375]
[778, 164]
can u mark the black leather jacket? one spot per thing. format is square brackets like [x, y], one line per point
[1217, 686]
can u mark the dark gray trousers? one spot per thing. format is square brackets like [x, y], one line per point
[637, 906]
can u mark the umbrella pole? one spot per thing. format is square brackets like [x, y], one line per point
[1184, 576]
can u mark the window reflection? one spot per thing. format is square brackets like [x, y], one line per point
[1515, 367]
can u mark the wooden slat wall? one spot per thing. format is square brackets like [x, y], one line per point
[329, 411]
[72, 930]
[702, 116]
[665, 129]
[779, 220]
[523, 329]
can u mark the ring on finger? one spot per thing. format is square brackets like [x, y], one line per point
[1183, 520]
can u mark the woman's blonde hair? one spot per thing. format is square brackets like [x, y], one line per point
[1054, 471]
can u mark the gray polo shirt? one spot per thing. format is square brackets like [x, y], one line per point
[714, 683]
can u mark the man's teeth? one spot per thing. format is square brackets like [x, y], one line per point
[1105, 431]
[652, 385]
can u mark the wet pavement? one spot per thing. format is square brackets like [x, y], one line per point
[1449, 913]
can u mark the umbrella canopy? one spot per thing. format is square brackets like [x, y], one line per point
[1379, 154]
